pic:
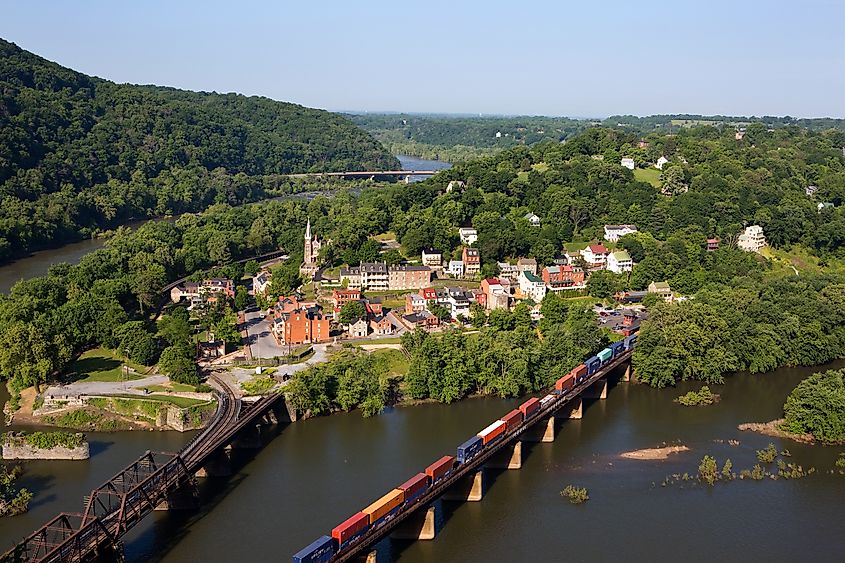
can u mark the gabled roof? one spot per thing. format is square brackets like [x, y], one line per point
[597, 249]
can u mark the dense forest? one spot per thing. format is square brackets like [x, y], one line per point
[455, 138]
[817, 406]
[673, 123]
[79, 154]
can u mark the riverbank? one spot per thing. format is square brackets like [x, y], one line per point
[45, 445]
[773, 428]
[652, 454]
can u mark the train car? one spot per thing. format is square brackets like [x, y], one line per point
[512, 419]
[565, 384]
[579, 373]
[546, 400]
[469, 449]
[530, 407]
[319, 551]
[350, 529]
[492, 432]
[593, 364]
[617, 347]
[605, 355]
[385, 507]
[414, 487]
[440, 469]
[630, 341]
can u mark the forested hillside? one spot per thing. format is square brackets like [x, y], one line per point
[79, 154]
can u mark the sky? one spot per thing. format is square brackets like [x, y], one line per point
[574, 58]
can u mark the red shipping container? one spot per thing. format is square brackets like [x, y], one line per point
[512, 419]
[414, 485]
[353, 525]
[440, 467]
[530, 406]
[492, 432]
[579, 372]
[565, 383]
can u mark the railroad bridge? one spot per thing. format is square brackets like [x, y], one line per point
[155, 481]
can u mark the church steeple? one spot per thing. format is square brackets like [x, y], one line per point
[308, 230]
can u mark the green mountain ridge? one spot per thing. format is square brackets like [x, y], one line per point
[80, 153]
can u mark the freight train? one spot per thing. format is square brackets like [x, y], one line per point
[409, 492]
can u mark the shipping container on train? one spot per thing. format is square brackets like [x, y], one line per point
[319, 551]
[617, 347]
[468, 449]
[630, 341]
[351, 528]
[593, 364]
[546, 400]
[580, 373]
[512, 419]
[565, 383]
[492, 432]
[530, 407]
[605, 355]
[384, 507]
[440, 468]
[414, 487]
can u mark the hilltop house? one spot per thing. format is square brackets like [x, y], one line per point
[533, 219]
[628, 163]
[612, 233]
[662, 290]
[432, 258]
[752, 240]
[661, 162]
[619, 261]
[469, 236]
[206, 290]
[595, 255]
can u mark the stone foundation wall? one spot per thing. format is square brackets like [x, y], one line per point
[25, 451]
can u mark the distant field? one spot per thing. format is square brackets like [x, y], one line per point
[101, 364]
[650, 175]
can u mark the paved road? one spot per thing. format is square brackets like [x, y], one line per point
[261, 340]
[106, 387]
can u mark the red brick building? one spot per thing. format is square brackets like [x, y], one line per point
[341, 297]
[563, 277]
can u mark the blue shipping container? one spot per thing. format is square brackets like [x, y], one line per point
[468, 449]
[593, 364]
[632, 340]
[319, 551]
[617, 347]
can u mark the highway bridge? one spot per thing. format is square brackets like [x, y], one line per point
[366, 174]
[417, 520]
[154, 481]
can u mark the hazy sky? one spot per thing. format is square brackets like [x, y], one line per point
[575, 58]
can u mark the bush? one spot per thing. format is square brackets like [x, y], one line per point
[768, 455]
[817, 406]
[700, 398]
[575, 495]
[51, 440]
[707, 470]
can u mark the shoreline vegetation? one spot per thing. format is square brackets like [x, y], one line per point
[774, 428]
[652, 454]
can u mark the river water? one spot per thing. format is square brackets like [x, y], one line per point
[317, 472]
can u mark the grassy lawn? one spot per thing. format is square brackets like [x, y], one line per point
[650, 175]
[393, 340]
[397, 363]
[181, 402]
[575, 246]
[101, 364]
[309, 291]
[469, 284]
[389, 235]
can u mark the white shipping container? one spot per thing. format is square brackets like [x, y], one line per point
[490, 429]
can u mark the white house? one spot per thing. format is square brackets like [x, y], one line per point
[507, 270]
[450, 187]
[533, 219]
[432, 258]
[628, 163]
[469, 236]
[532, 286]
[619, 261]
[595, 255]
[456, 268]
[752, 240]
[811, 190]
[661, 162]
[261, 283]
[613, 233]
[358, 329]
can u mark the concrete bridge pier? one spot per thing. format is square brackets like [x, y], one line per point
[543, 431]
[183, 498]
[248, 439]
[469, 488]
[371, 557]
[509, 458]
[574, 410]
[219, 464]
[419, 526]
[626, 376]
[597, 390]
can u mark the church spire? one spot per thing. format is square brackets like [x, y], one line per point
[308, 230]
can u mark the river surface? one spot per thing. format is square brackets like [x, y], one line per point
[39, 262]
[315, 473]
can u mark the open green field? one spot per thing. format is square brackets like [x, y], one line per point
[173, 387]
[101, 364]
[389, 235]
[469, 284]
[181, 402]
[650, 175]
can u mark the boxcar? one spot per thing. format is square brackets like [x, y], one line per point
[617, 347]
[350, 529]
[530, 407]
[579, 373]
[414, 487]
[440, 468]
[565, 383]
[512, 419]
[385, 507]
[593, 364]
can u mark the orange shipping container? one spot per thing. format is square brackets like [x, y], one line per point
[440, 467]
[565, 383]
[383, 506]
[492, 432]
[512, 419]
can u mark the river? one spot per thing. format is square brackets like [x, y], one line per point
[39, 262]
[317, 472]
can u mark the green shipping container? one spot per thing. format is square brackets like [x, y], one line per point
[605, 355]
